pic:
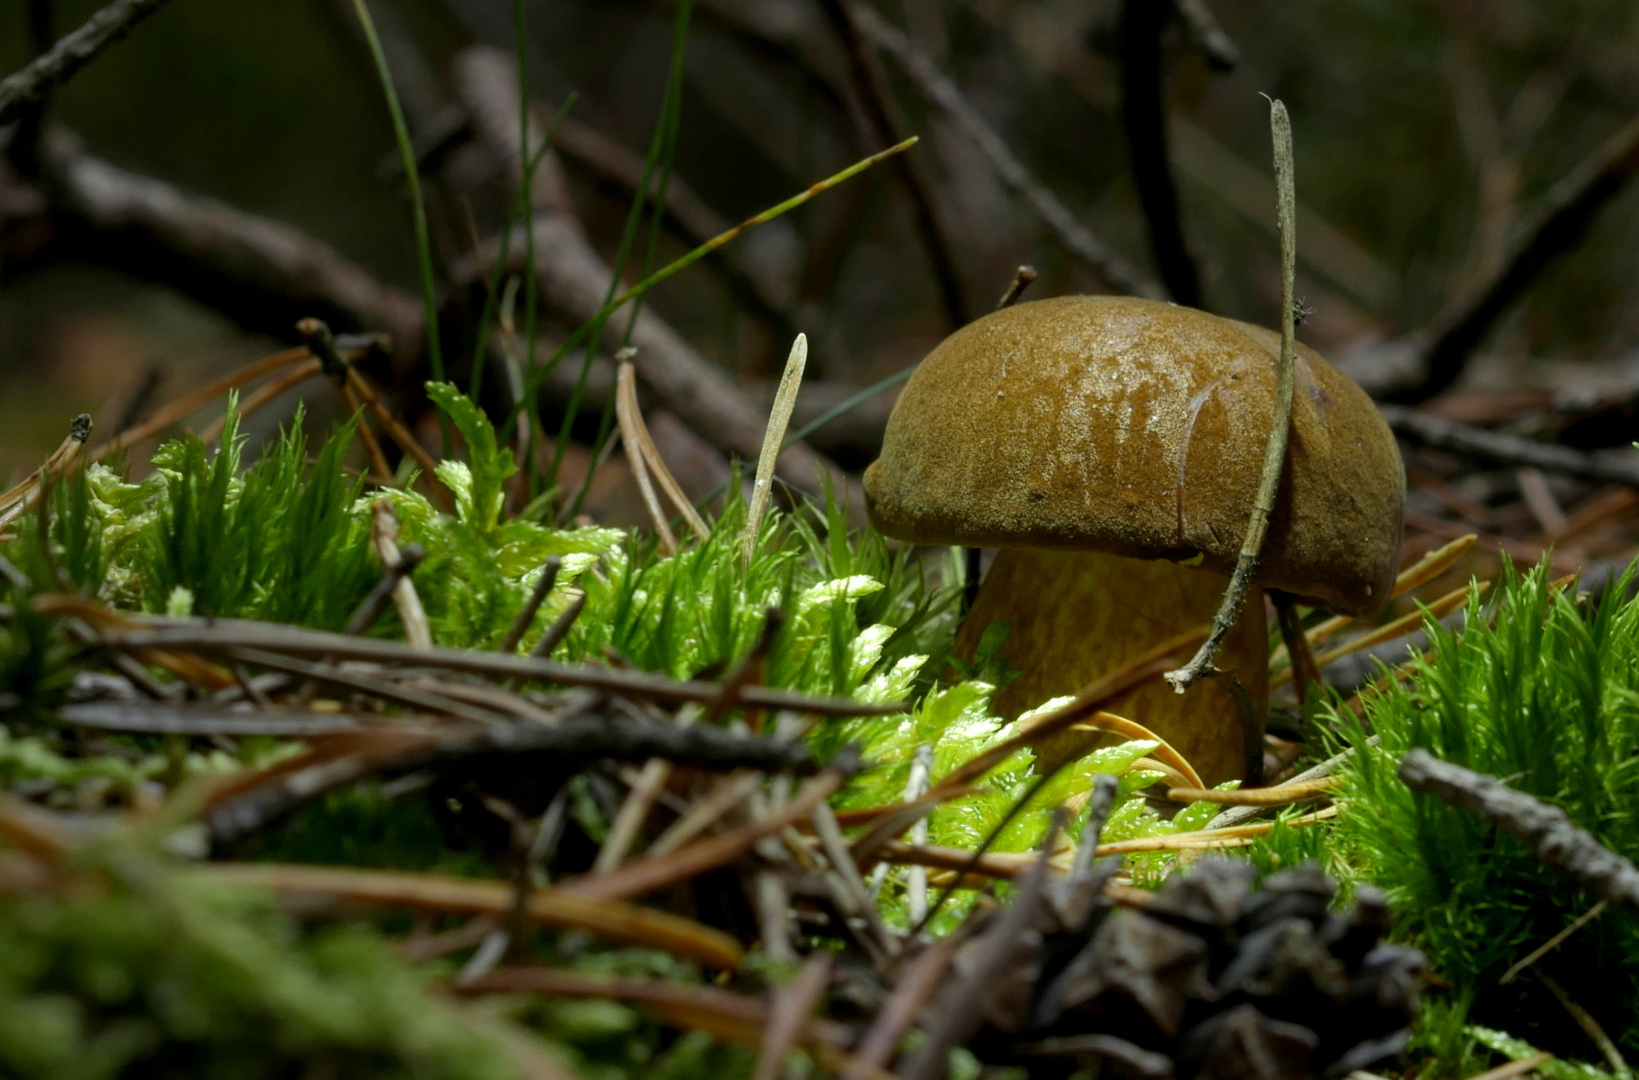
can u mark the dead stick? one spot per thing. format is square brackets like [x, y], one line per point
[64, 59]
[1546, 830]
[1274, 458]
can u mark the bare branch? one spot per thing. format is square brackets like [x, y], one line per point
[1567, 211]
[1076, 237]
[1438, 433]
[574, 280]
[1545, 829]
[64, 60]
[874, 96]
[262, 273]
[1274, 458]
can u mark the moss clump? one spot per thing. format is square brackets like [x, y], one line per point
[1542, 690]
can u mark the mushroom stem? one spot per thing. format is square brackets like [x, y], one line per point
[1077, 616]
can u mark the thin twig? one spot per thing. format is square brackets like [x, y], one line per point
[794, 1005]
[1546, 830]
[1554, 942]
[65, 59]
[939, 89]
[1438, 433]
[322, 344]
[526, 614]
[844, 19]
[1568, 210]
[964, 1003]
[369, 609]
[1584, 1020]
[1274, 458]
[560, 626]
[779, 418]
[233, 634]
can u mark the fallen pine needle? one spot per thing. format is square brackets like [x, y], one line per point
[609, 919]
[1269, 796]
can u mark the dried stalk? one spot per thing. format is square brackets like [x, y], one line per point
[651, 453]
[779, 418]
[1546, 830]
[16, 502]
[626, 413]
[65, 59]
[1274, 458]
[939, 89]
[384, 538]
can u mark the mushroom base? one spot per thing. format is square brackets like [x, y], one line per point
[1078, 616]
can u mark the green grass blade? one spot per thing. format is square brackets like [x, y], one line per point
[418, 208]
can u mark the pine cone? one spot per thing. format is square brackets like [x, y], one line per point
[1210, 981]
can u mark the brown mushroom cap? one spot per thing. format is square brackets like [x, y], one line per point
[1138, 427]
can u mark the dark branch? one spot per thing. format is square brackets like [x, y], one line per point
[1568, 211]
[235, 635]
[1546, 830]
[1436, 433]
[573, 740]
[888, 132]
[64, 60]
[260, 272]
[1144, 117]
[1080, 241]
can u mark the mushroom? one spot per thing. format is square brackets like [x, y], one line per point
[1111, 448]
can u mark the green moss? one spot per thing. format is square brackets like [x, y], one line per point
[1542, 690]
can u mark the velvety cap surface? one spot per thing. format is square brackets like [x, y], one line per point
[1138, 427]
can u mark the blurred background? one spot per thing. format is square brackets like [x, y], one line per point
[231, 167]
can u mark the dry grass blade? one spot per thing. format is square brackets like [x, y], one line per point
[179, 409]
[728, 1017]
[1554, 942]
[638, 878]
[30, 829]
[779, 419]
[1128, 729]
[1509, 1070]
[15, 503]
[614, 921]
[1438, 609]
[360, 384]
[703, 813]
[105, 621]
[1416, 575]
[259, 400]
[1269, 796]
[1151, 665]
[1236, 836]
[626, 412]
[963, 1006]
[640, 439]
[794, 1005]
